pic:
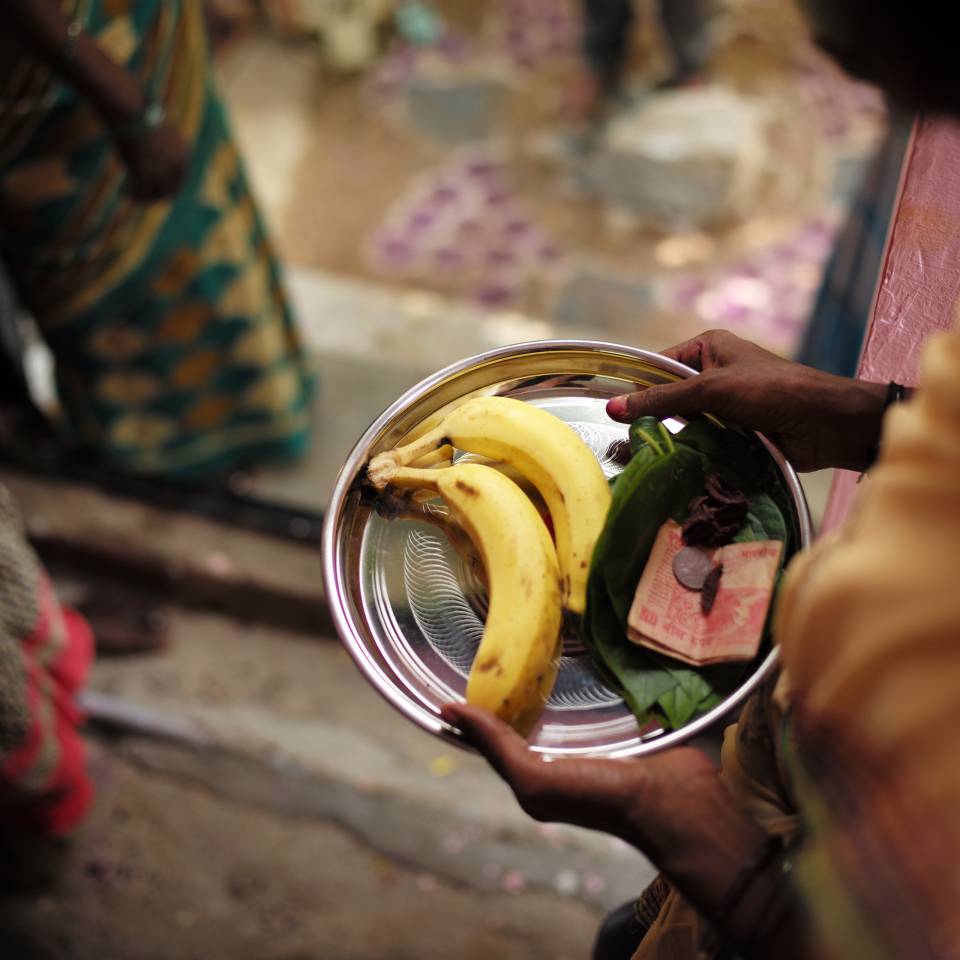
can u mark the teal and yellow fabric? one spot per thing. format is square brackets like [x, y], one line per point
[175, 348]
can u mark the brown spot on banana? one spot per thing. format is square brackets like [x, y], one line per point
[467, 489]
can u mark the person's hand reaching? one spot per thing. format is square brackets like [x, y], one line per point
[156, 159]
[817, 419]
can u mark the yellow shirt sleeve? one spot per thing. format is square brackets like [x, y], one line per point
[869, 629]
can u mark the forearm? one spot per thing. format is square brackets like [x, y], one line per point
[704, 856]
[79, 60]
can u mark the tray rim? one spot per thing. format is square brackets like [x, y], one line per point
[336, 593]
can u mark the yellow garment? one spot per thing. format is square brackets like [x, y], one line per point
[869, 628]
[886, 585]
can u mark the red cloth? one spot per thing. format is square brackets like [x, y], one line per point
[46, 774]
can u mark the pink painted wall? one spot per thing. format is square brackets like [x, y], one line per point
[919, 284]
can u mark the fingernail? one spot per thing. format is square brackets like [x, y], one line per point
[448, 715]
[617, 408]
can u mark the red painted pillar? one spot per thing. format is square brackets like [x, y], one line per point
[919, 284]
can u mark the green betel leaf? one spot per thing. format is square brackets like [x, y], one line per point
[767, 515]
[678, 706]
[662, 491]
[645, 431]
[698, 689]
[664, 475]
[632, 670]
[738, 457]
[741, 459]
[764, 521]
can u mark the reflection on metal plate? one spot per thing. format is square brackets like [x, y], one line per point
[410, 609]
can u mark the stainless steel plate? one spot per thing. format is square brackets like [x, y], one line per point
[408, 609]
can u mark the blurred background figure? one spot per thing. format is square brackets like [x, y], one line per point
[348, 31]
[419, 147]
[607, 33]
[45, 655]
[129, 232]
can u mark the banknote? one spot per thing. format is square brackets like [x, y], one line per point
[667, 616]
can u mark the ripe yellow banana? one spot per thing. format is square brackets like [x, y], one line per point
[547, 452]
[516, 664]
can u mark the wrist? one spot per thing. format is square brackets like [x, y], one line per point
[777, 923]
[674, 805]
[861, 413]
[895, 393]
[152, 116]
[761, 914]
[694, 830]
[125, 105]
[755, 916]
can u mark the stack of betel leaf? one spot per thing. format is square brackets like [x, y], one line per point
[666, 479]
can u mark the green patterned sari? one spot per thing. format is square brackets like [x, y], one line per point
[174, 344]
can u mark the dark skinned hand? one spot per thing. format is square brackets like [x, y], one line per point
[156, 160]
[646, 802]
[673, 806]
[817, 419]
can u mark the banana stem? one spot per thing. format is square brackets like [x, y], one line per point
[442, 456]
[384, 466]
[415, 477]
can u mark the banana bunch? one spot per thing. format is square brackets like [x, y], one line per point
[530, 580]
[540, 447]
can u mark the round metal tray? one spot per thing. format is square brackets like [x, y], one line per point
[406, 606]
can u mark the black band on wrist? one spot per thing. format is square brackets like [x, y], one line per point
[896, 393]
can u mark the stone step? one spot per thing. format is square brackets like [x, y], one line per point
[168, 869]
[271, 718]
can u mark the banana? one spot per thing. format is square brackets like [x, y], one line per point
[543, 449]
[516, 664]
[412, 506]
[441, 457]
[528, 717]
